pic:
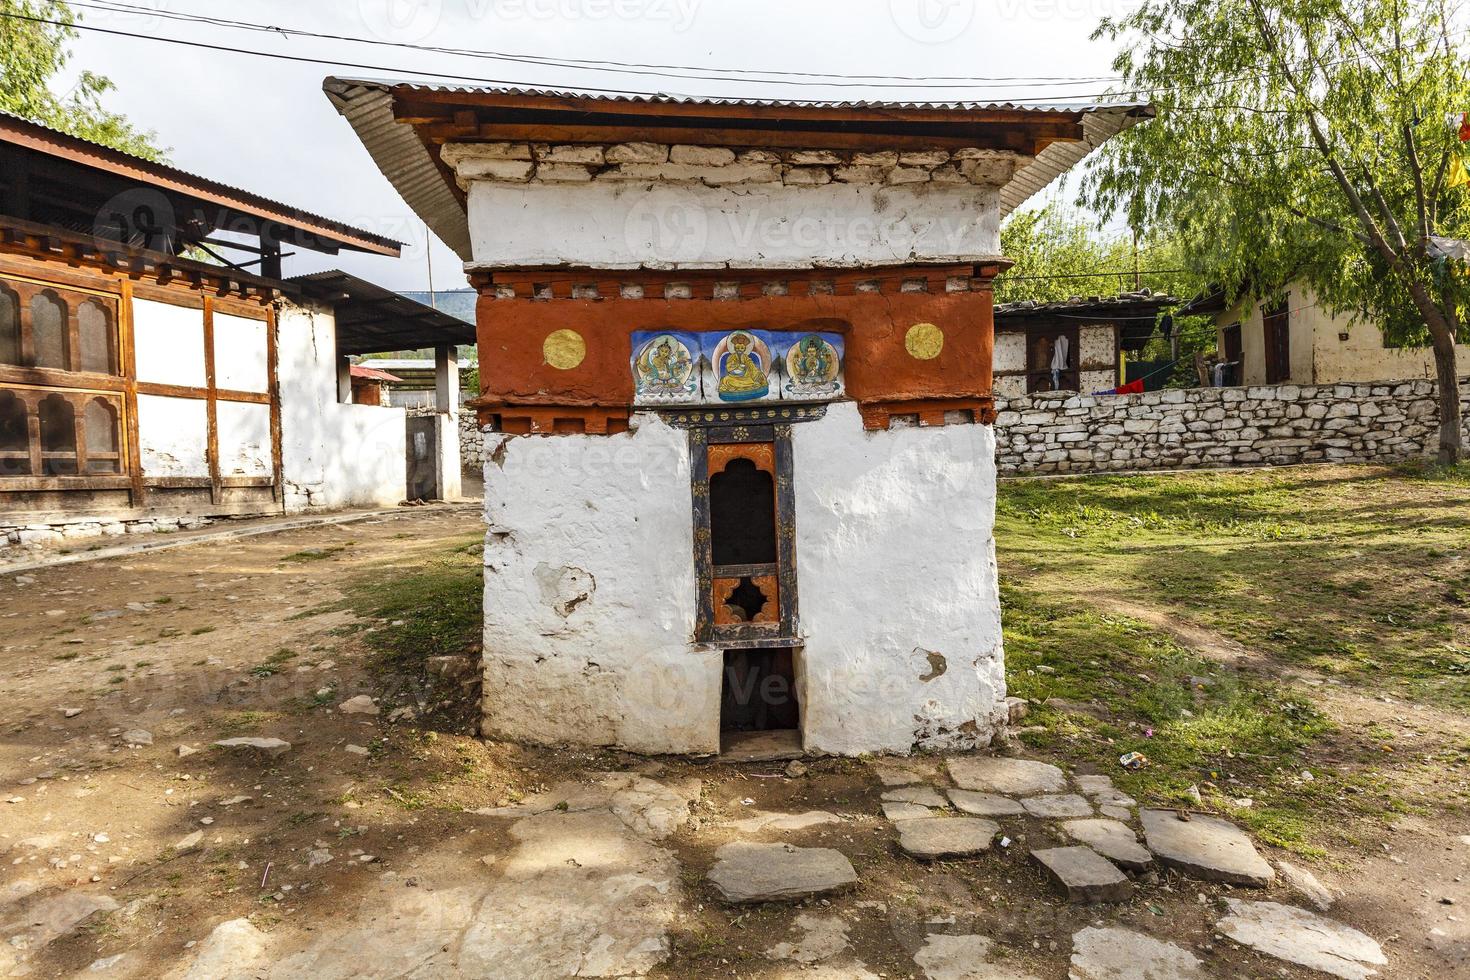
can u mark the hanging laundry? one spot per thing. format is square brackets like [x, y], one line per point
[1058, 362]
[1459, 172]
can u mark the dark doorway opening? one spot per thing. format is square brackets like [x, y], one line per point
[742, 515]
[760, 717]
[1276, 324]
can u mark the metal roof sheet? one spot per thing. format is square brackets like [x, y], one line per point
[47, 139]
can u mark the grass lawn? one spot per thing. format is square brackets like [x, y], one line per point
[1245, 629]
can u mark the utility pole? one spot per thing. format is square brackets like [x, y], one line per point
[429, 258]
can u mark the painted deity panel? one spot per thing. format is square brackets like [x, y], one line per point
[666, 368]
[678, 367]
[739, 367]
[811, 366]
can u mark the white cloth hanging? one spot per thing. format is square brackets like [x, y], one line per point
[1058, 362]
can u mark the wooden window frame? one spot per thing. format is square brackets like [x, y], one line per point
[31, 398]
[1035, 377]
[767, 446]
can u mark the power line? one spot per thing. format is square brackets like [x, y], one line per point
[620, 67]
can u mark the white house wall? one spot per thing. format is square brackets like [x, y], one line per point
[244, 433]
[168, 343]
[240, 356]
[590, 593]
[333, 455]
[173, 436]
[898, 590]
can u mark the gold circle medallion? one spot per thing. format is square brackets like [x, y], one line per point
[924, 341]
[564, 349]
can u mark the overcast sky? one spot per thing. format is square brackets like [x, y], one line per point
[265, 125]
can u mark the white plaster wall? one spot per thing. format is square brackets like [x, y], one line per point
[244, 438]
[1010, 351]
[1097, 347]
[632, 224]
[895, 563]
[173, 435]
[240, 358]
[168, 341]
[333, 455]
[590, 593]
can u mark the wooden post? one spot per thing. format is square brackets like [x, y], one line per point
[211, 409]
[130, 392]
[344, 379]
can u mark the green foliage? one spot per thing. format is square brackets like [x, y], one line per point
[33, 54]
[1273, 115]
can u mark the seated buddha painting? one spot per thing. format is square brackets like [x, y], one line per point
[742, 367]
[813, 365]
[665, 367]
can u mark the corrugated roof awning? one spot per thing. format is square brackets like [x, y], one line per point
[372, 319]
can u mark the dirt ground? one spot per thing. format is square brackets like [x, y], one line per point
[121, 674]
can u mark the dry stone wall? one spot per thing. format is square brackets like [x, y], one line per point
[1060, 432]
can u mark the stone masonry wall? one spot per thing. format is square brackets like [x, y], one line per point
[471, 442]
[1060, 432]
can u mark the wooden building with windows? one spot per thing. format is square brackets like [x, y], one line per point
[142, 388]
[1078, 344]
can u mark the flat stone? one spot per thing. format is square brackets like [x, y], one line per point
[1113, 840]
[1298, 936]
[190, 842]
[228, 951]
[962, 958]
[138, 736]
[360, 705]
[985, 804]
[1305, 884]
[905, 811]
[1090, 785]
[1115, 812]
[1086, 876]
[1057, 807]
[1016, 777]
[270, 747]
[821, 938]
[922, 795]
[1114, 798]
[937, 837]
[1122, 954]
[747, 872]
[1205, 847]
[898, 771]
[784, 821]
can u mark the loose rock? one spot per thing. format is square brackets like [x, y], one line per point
[270, 747]
[360, 705]
[962, 958]
[1017, 777]
[1122, 954]
[905, 811]
[1305, 884]
[1085, 876]
[1302, 937]
[747, 872]
[1205, 847]
[1113, 840]
[937, 837]
[985, 804]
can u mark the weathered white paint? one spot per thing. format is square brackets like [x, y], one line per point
[244, 438]
[168, 342]
[590, 589]
[631, 224]
[173, 436]
[589, 593]
[333, 455]
[896, 567]
[240, 357]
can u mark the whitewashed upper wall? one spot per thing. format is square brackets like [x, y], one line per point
[169, 343]
[240, 356]
[645, 205]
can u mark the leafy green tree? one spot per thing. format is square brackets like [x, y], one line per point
[1305, 139]
[33, 53]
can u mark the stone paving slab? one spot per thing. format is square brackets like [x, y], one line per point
[1087, 877]
[1302, 937]
[939, 837]
[1016, 777]
[1205, 847]
[985, 804]
[1113, 840]
[747, 872]
[922, 795]
[945, 957]
[1122, 954]
[1057, 807]
[905, 811]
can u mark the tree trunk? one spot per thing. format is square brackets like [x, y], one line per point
[1451, 426]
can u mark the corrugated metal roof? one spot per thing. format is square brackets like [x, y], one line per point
[1086, 305]
[48, 139]
[367, 105]
[674, 98]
